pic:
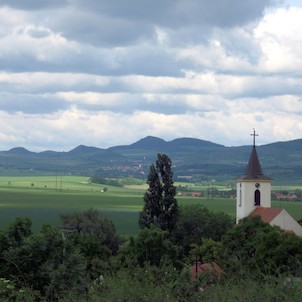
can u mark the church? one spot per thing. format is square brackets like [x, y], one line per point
[254, 197]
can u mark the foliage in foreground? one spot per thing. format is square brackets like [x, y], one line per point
[262, 249]
[196, 223]
[53, 262]
[91, 263]
[250, 288]
[166, 284]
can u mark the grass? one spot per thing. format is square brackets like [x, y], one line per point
[44, 198]
[47, 198]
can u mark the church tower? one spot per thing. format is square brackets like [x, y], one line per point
[253, 188]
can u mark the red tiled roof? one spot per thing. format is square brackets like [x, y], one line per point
[266, 214]
[198, 194]
[200, 268]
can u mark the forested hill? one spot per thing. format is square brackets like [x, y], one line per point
[194, 159]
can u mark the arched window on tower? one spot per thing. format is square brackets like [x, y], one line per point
[240, 196]
[257, 198]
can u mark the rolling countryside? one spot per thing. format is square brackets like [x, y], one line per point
[44, 198]
[193, 159]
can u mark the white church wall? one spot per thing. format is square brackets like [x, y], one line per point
[286, 222]
[246, 196]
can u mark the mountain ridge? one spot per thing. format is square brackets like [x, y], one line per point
[150, 140]
[190, 156]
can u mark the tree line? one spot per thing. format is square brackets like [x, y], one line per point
[105, 181]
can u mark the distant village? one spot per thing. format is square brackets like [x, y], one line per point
[213, 192]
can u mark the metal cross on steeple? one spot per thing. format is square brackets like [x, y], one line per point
[254, 140]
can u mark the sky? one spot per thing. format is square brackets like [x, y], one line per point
[105, 73]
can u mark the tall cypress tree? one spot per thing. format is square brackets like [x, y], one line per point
[161, 208]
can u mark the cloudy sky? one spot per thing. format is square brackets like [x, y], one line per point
[104, 73]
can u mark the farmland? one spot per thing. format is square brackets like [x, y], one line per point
[44, 198]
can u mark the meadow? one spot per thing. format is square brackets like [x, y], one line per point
[44, 198]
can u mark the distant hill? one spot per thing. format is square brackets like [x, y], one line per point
[155, 143]
[19, 151]
[148, 142]
[81, 149]
[193, 142]
[199, 159]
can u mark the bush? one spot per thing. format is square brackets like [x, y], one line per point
[9, 292]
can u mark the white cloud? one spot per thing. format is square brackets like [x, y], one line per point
[279, 36]
[110, 100]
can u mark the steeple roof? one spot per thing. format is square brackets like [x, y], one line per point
[253, 169]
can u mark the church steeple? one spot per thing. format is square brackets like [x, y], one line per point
[253, 169]
[253, 187]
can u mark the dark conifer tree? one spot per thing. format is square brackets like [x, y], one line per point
[160, 207]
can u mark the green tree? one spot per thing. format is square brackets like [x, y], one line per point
[298, 193]
[44, 262]
[18, 230]
[57, 262]
[257, 247]
[197, 223]
[95, 237]
[208, 251]
[152, 246]
[92, 229]
[160, 204]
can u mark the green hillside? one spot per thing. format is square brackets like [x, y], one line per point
[199, 160]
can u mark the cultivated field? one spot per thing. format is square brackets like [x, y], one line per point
[44, 198]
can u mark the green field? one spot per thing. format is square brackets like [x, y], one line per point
[44, 198]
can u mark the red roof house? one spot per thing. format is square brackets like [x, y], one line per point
[199, 268]
[280, 218]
